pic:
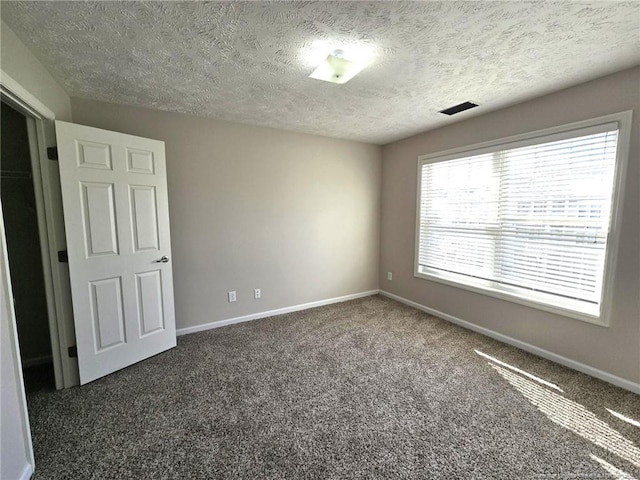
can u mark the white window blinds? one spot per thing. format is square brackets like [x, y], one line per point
[531, 219]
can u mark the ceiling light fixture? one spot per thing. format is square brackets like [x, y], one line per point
[337, 69]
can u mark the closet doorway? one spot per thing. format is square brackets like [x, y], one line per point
[24, 250]
[32, 219]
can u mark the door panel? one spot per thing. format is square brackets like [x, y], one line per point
[114, 194]
[99, 225]
[144, 218]
[140, 161]
[151, 312]
[107, 313]
[93, 155]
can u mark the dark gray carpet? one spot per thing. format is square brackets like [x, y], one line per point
[363, 389]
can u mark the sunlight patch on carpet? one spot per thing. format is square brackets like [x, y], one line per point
[573, 416]
[616, 472]
[624, 418]
[522, 372]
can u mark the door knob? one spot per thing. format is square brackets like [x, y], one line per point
[164, 259]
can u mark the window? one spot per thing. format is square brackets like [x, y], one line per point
[528, 218]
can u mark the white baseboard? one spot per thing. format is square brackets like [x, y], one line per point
[271, 313]
[32, 362]
[27, 472]
[567, 362]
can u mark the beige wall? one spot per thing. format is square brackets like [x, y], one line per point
[21, 65]
[615, 349]
[295, 215]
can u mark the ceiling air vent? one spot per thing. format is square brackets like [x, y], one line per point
[458, 108]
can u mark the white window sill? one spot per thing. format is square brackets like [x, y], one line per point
[565, 307]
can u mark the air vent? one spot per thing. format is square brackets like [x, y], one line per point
[458, 108]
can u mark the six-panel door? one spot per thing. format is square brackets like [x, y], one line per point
[114, 193]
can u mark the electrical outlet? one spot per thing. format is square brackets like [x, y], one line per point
[257, 293]
[389, 275]
[232, 296]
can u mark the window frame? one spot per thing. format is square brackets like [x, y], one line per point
[534, 300]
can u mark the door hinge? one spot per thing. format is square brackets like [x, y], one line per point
[52, 153]
[73, 352]
[63, 256]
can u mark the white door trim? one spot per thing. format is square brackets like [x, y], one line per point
[65, 369]
[18, 93]
[15, 347]
[27, 472]
[36, 138]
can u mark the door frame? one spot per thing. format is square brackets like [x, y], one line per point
[50, 223]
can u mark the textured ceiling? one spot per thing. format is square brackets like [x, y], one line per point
[249, 62]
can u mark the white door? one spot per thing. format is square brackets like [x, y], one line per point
[116, 215]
